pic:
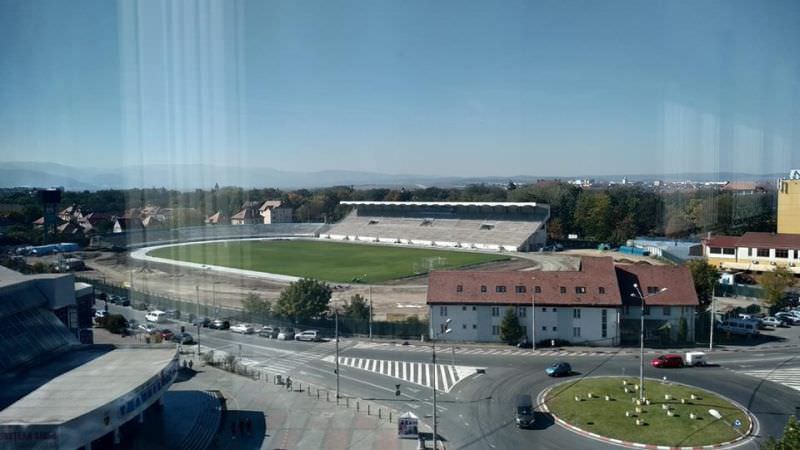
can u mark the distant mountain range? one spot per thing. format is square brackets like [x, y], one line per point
[194, 176]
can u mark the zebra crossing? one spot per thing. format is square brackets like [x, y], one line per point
[789, 377]
[279, 363]
[476, 351]
[412, 372]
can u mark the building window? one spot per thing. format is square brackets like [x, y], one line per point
[555, 328]
[601, 290]
[442, 327]
[652, 289]
[576, 313]
[537, 289]
[646, 310]
[463, 308]
[762, 252]
[473, 308]
[604, 330]
[604, 323]
[495, 311]
[667, 311]
[460, 288]
[474, 326]
[781, 253]
[580, 289]
[715, 250]
[749, 252]
[521, 289]
[563, 290]
[544, 309]
[443, 310]
[495, 330]
[728, 251]
[554, 310]
[483, 289]
[576, 332]
[463, 326]
[500, 289]
[544, 328]
[627, 310]
[521, 312]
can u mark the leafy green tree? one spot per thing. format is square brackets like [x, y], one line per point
[790, 439]
[304, 299]
[253, 304]
[705, 276]
[510, 329]
[114, 323]
[774, 285]
[357, 308]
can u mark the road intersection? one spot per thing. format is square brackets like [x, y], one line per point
[475, 411]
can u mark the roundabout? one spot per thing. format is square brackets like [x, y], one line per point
[672, 414]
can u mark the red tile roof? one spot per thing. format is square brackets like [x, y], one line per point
[754, 239]
[594, 274]
[677, 279]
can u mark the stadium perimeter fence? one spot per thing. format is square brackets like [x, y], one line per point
[188, 311]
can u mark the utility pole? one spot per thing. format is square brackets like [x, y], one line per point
[370, 313]
[711, 330]
[533, 320]
[641, 298]
[337, 352]
[435, 381]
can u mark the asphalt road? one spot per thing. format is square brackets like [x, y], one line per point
[478, 412]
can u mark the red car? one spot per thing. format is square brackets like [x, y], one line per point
[166, 334]
[666, 361]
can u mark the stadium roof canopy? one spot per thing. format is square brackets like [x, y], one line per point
[491, 204]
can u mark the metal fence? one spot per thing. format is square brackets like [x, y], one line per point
[183, 310]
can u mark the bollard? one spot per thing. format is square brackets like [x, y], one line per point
[379, 413]
[692, 416]
[627, 413]
[647, 401]
[693, 397]
[368, 408]
[639, 421]
[301, 386]
[358, 406]
[317, 393]
[390, 416]
[665, 406]
[608, 398]
[624, 382]
[577, 398]
[638, 410]
[670, 413]
[347, 402]
[683, 401]
[667, 397]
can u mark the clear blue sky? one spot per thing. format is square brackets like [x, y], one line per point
[432, 87]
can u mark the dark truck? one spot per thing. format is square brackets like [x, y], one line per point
[523, 414]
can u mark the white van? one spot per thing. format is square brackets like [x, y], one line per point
[695, 359]
[746, 327]
[155, 316]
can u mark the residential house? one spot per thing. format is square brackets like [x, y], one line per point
[248, 215]
[216, 219]
[754, 251]
[273, 212]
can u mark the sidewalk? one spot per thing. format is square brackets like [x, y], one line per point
[264, 415]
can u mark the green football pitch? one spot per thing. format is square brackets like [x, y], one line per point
[323, 260]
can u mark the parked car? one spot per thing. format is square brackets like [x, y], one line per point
[286, 334]
[559, 369]
[242, 328]
[523, 413]
[667, 361]
[219, 324]
[308, 335]
[183, 338]
[155, 316]
[147, 327]
[771, 322]
[201, 322]
[133, 324]
[166, 334]
[100, 314]
[791, 319]
[268, 332]
[745, 327]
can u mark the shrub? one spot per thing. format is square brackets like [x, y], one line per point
[114, 323]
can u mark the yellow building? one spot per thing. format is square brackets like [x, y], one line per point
[789, 205]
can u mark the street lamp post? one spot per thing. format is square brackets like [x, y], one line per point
[435, 379]
[533, 320]
[337, 353]
[711, 330]
[641, 335]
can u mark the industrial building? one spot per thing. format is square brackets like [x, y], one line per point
[758, 252]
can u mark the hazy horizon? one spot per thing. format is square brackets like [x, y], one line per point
[448, 88]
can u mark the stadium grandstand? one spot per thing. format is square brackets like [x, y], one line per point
[61, 394]
[143, 237]
[497, 226]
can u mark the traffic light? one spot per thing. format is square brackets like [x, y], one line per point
[397, 390]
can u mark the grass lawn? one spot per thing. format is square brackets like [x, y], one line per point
[607, 418]
[329, 261]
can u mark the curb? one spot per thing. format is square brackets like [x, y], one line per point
[629, 444]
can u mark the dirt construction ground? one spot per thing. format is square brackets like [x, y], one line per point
[393, 301]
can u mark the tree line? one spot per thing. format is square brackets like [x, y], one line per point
[609, 214]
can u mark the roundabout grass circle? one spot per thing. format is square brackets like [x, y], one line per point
[611, 412]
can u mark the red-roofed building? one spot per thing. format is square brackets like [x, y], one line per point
[754, 251]
[587, 305]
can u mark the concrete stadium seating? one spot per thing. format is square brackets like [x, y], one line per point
[447, 231]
